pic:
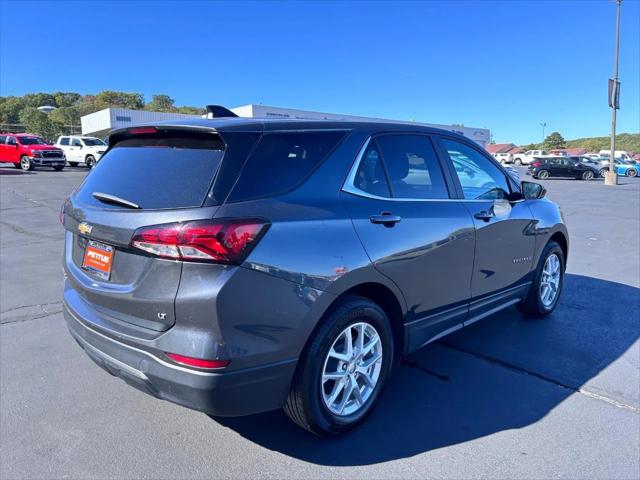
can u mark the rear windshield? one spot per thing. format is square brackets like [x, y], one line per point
[156, 171]
[282, 161]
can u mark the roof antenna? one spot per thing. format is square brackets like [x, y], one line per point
[218, 111]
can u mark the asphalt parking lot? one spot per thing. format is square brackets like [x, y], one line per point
[505, 398]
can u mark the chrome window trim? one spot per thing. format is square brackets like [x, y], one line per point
[349, 187]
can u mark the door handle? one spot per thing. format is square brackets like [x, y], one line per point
[385, 218]
[485, 215]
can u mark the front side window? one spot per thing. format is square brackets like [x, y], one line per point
[75, 142]
[479, 177]
[370, 177]
[12, 141]
[412, 166]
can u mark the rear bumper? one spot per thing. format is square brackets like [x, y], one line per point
[235, 393]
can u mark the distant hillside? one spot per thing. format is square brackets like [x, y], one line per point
[624, 141]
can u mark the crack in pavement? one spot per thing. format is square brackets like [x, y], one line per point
[524, 371]
[30, 312]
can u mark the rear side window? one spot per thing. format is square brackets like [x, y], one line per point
[156, 171]
[64, 141]
[281, 162]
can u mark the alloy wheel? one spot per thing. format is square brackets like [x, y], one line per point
[351, 369]
[550, 281]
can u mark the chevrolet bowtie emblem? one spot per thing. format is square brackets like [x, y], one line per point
[85, 228]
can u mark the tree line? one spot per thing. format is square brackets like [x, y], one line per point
[21, 113]
[624, 141]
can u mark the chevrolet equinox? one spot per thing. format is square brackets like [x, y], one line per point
[239, 265]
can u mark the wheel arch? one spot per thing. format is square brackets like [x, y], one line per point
[381, 295]
[561, 240]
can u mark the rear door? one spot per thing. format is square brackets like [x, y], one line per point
[12, 150]
[504, 240]
[169, 176]
[399, 199]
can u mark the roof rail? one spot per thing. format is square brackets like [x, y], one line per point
[217, 111]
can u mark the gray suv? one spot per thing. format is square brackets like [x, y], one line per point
[236, 266]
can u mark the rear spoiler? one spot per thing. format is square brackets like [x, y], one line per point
[218, 111]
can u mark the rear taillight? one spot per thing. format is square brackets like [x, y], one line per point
[220, 241]
[536, 164]
[198, 362]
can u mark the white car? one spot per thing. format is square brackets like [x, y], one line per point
[529, 156]
[79, 149]
[503, 157]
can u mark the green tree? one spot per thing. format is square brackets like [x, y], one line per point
[109, 98]
[160, 103]
[39, 123]
[66, 99]
[554, 140]
[39, 100]
[10, 108]
[192, 110]
[68, 117]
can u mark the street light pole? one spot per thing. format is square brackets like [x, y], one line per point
[612, 176]
[543, 124]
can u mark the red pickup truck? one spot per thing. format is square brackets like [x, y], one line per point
[26, 151]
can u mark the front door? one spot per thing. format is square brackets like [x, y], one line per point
[413, 232]
[504, 240]
[12, 150]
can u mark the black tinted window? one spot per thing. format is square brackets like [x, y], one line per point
[281, 161]
[412, 166]
[370, 176]
[479, 177]
[64, 141]
[156, 171]
[3, 139]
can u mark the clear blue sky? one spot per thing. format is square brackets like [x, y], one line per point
[503, 65]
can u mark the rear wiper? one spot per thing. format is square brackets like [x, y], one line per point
[106, 198]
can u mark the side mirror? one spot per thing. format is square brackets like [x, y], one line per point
[532, 191]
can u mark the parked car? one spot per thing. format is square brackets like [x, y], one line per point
[529, 156]
[26, 151]
[290, 263]
[503, 157]
[568, 167]
[623, 167]
[79, 149]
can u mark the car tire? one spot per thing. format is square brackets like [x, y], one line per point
[25, 163]
[603, 172]
[537, 304]
[315, 399]
[90, 161]
[518, 162]
[632, 172]
[587, 175]
[542, 175]
[57, 168]
[73, 164]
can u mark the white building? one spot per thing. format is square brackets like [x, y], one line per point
[99, 123]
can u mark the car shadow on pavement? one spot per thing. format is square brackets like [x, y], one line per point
[13, 171]
[503, 373]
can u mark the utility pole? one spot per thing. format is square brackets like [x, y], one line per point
[612, 176]
[543, 125]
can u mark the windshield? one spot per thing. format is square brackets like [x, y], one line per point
[93, 142]
[31, 141]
